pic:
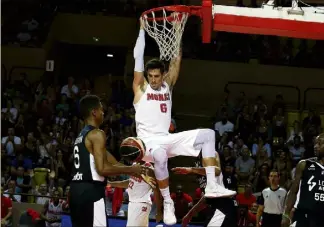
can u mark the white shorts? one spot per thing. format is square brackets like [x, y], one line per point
[176, 144]
[138, 214]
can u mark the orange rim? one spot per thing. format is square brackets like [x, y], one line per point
[175, 8]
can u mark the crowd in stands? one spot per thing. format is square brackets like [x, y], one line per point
[40, 121]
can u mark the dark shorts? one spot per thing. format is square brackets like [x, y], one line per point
[222, 212]
[308, 219]
[271, 220]
[87, 205]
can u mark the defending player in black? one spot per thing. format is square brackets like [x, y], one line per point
[309, 181]
[92, 163]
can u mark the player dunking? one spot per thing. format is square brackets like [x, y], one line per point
[152, 87]
[221, 211]
[139, 206]
[92, 163]
[309, 185]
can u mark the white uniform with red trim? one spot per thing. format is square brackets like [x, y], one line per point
[153, 119]
[55, 212]
[139, 206]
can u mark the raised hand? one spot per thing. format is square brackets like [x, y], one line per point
[182, 170]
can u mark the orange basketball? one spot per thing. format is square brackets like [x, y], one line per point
[132, 149]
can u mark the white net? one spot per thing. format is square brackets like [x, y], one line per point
[167, 31]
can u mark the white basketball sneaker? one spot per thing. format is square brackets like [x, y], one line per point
[214, 190]
[169, 217]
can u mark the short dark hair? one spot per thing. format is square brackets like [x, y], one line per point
[275, 171]
[155, 64]
[87, 104]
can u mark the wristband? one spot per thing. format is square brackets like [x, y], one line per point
[287, 216]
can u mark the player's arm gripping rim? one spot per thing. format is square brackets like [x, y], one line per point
[292, 194]
[174, 68]
[139, 82]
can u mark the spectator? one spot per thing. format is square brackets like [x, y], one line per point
[40, 193]
[244, 166]
[296, 131]
[63, 105]
[263, 129]
[20, 126]
[279, 124]
[283, 165]
[224, 141]
[312, 120]
[227, 157]
[238, 147]
[262, 158]
[30, 149]
[23, 182]
[229, 178]
[6, 210]
[296, 150]
[279, 103]
[224, 125]
[10, 112]
[21, 161]
[182, 202]
[11, 143]
[260, 180]
[244, 124]
[261, 145]
[246, 198]
[70, 89]
[11, 192]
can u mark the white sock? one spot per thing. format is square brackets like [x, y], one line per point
[210, 174]
[166, 194]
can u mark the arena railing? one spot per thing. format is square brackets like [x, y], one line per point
[306, 94]
[268, 85]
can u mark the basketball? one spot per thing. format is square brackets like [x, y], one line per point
[132, 149]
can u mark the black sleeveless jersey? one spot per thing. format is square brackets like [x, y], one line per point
[310, 197]
[84, 169]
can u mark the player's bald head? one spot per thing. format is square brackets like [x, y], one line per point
[319, 146]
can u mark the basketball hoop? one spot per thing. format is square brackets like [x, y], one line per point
[166, 25]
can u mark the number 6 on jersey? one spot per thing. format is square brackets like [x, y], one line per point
[76, 157]
[163, 107]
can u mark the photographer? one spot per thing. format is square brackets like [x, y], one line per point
[271, 203]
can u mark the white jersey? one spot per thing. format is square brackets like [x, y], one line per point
[138, 190]
[153, 112]
[54, 212]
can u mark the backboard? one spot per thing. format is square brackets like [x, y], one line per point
[296, 22]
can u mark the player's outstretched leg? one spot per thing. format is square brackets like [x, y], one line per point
[162, 175]
[206, 140]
